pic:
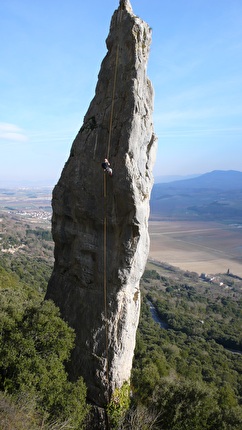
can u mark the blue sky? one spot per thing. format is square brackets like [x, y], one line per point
[50, 56]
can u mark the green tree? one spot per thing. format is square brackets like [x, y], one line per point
[35, 344]
[185, 405]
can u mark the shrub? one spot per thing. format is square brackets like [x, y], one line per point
[35, 344]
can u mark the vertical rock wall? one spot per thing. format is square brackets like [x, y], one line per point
[100, 223]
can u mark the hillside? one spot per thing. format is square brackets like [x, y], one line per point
[215, 196]
[187, 367]
[184, 373]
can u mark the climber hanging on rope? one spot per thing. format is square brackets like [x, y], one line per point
[106, 167]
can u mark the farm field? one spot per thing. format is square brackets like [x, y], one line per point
[29, 204]
[202, 247]
[199, 246]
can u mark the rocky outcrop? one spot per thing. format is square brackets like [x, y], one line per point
[100, 223]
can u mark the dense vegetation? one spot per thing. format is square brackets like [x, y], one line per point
[35, 343]
[184, 375]
[26, 251]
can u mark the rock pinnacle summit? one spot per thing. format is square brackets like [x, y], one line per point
[100, 223]
[125, 4]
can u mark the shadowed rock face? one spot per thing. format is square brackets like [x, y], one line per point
[100, 223]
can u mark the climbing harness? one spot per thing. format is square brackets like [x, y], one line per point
[106, 167]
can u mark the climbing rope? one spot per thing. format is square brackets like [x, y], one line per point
[105, 277]
[105, 216]
[112, 105]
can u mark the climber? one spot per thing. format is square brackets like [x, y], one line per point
[106, 167]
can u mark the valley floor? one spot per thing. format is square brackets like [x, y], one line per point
[202, 247]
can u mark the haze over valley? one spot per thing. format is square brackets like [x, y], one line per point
[195, 224]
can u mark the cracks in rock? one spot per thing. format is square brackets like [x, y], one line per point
[149, 146]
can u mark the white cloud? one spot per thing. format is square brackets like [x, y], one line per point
[12, 132]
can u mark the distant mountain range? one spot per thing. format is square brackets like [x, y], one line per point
[216, 195]
[172, 178]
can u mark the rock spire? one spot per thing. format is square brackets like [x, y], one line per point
[125, 4]
[100, 223]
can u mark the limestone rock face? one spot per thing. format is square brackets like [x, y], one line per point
[100, 223]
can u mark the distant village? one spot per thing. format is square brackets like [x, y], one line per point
[214, 280]
[33, 214]
[39, 217]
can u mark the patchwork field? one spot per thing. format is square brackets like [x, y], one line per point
[202, 247]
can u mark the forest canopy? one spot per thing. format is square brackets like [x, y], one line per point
[187, 368]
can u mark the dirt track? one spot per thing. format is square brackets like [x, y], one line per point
[197, 246]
